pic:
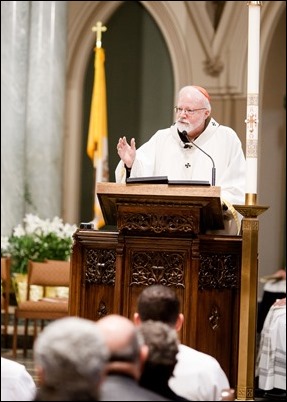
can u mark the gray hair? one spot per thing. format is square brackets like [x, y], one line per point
[162, 341]
[72, 353]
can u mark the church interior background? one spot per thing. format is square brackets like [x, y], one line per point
[152, 49]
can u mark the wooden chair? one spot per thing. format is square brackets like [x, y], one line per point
[5, 292]
[55, 273]
[60, 290]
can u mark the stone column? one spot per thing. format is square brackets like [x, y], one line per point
[14, 57]
[45, 107]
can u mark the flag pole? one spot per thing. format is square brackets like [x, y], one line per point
[97, 146]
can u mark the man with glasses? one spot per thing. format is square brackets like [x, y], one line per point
[195, 147]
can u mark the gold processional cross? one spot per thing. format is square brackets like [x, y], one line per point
[99, 28]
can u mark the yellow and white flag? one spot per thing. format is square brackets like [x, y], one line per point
[97, 146]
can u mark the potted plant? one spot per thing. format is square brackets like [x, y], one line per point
[38, 240]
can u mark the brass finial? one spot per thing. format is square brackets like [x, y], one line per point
[254, 3]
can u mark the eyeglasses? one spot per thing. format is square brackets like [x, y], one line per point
[189, 112]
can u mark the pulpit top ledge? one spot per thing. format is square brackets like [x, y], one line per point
[205, 198]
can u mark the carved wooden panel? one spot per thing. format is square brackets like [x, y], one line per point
[100, 266]
[158, 219]
[110, 269]
[155, 260]
[218, 300]
[93, 274]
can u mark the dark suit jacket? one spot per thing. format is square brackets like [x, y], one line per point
[120, 387]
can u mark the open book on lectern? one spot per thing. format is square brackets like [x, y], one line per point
[165, 180]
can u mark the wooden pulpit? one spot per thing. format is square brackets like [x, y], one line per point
[156, 234]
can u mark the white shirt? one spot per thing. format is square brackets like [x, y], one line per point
[275, 286]
[271, 358]
[197, 376]
[164, 155]
[16, 383]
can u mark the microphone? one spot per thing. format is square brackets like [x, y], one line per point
[190, 144]
[187, 145]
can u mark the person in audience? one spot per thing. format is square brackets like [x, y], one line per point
[128, 354]
[274, 288]
[70, 356]
[197, 376]
[162, 342]
[16, 383]
[271, 357]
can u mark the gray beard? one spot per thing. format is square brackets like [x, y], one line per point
[183, 127]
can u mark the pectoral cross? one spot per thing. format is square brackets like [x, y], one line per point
[99, 28]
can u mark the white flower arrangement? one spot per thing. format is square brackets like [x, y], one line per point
[38, 240]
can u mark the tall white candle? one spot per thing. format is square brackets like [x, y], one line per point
[252, 95]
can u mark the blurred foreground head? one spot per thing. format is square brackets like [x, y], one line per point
[70, 355]
[126, 347]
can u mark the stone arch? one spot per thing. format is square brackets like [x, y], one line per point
[81, 40]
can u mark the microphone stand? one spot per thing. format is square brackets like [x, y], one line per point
[189, 144]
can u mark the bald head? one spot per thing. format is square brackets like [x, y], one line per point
[125, 345]
[196, 96]
[118, 331]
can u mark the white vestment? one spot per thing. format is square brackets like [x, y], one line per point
[164, 155]
[271, 357]
[16, 383]
[197, 376]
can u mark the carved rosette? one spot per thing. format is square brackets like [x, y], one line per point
[165, 268]
[218, 271]
[100, 268]
[214, 317]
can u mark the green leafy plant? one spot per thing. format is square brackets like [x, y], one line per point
[38, 240]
